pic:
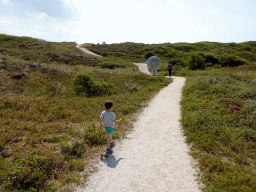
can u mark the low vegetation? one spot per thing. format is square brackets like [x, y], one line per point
[219, 119]
[51, 97]
[192, 56]
[50, 104]
[218, 105]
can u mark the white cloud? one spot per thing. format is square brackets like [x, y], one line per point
[38, 25]
[66, 1]
[148, 21]
[42, 16]
[5, 1]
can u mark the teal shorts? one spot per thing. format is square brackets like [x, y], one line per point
[109, 129]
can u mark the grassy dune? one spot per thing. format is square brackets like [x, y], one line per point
[48, 133]
[218, 105]
[214, 54]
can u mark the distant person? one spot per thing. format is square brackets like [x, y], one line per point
[109, 119]
[145, 60]
[169, 68]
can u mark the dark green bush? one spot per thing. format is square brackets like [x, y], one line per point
[184, 47]
[149, 54]
[29, 173]
[85, 83]
[104, 54]
[209, 58]
[112, 65]
[196, 61]
[171, 53]
[229, 60]
[178, 62]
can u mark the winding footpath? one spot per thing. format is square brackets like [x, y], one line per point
[86, 50]
[154, 156]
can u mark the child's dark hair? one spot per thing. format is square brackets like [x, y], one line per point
[108, 104]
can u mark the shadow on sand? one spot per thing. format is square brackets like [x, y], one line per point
[111, 161]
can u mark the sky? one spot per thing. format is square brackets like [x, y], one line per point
[140, 21]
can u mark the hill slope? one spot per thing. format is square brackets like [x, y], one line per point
[48, 131]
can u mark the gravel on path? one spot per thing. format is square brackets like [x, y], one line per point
[154, 157]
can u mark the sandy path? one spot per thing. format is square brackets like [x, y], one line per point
[155, 156]
[86, 50]
[143, 67]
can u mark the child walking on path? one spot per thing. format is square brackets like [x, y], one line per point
[109, 119]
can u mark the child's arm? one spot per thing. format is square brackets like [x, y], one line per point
[101, 122]
[116, 121]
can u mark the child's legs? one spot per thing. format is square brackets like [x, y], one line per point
[110, 132]
[109, 140]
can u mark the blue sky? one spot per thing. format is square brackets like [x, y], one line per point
[142, 21]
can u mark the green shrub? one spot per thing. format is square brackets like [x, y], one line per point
[184, 47]
[178, 62]
[28, 173]
[196, 61]
[94, 135]
[210, 59]
[85, 83]
[149, 54]
[229, 60]
[112, 65]
[71, 150]
[75, 165]
[104, 54]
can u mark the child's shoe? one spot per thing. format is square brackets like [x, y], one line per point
[112, 144]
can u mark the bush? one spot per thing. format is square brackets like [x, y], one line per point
[196, 61]
[178, 62]
[104, 54]
[29, 173]
[73, 148]
[85, 83]
[112, 65]
[94, 135]
[229, 60]
[76, 165]
[149, 54]
[209, 58]
[184, 47]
